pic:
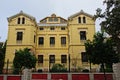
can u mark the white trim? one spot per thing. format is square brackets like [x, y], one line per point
[39, 24]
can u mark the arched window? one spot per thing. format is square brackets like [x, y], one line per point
[23, 20]
[18, 21]
[84, 19]
[79, 19]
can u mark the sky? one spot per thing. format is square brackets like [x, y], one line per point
[42, 8]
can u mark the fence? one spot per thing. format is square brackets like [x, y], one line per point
[61, 76]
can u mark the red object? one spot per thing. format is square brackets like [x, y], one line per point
[101, 77]
[59, 76]
[1, 77]
[39, 76]
[14, 78]
[80, 77]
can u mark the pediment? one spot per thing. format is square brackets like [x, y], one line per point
[21, 13]
[80, 13]
[53, 19]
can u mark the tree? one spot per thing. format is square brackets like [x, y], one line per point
[89, 50]
[2, 56]
[101, 50]
[111, 23]
[23, 58]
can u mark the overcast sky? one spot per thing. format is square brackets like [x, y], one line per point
[42, 8]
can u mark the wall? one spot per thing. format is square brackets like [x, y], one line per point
[61, 76]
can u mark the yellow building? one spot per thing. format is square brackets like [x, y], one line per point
[53, 40]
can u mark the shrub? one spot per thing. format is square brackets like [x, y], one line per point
[39, 70]
[58, 68]
[85, 70]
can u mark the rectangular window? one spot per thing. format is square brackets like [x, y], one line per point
[63, 58]
[56, 19]
[34, 38]
[52, 59]
[52, 28]
[19, 36]
[84, 57]
[82, 35]
[63, 40]
[41, 41]
[62, 28]
[41, 28]
[52, 40]
[40, 58]
[50, 19]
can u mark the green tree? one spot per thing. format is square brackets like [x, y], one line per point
[89, 50]
[111, 21]
[101, 51]
[2, 56]
[23, 58]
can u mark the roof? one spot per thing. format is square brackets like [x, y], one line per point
[81, 12]
[22, 13]
[53, 15]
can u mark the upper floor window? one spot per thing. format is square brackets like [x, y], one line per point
[52, 28]
[63, 40]
[55, 19]
[84, 57]
[41, 28]
[79, 19]
[62, 28]
[19, 36]
[23, 20]
[82, 35]
[18, 21]
[41, 41]
[40, 58]
[50, 19]
[52, 40]
[84, 19]
[63, 58]
[34, 38]
[52, 59]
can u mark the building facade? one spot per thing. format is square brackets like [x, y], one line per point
[52, 40]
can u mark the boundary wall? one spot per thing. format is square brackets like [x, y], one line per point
[61, 76]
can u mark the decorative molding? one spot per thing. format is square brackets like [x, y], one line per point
[53, 24]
